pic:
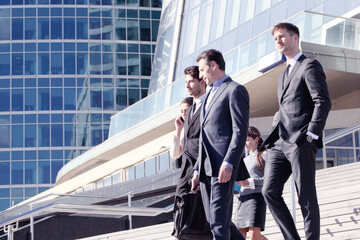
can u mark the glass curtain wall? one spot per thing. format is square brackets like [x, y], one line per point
[66, 66]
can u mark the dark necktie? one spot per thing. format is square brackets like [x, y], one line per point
[193, 110]
[286, 76]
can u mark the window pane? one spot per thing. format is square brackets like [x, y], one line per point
[30, 28]
[145, 30]
[30, 172]
[30, 135]
[17, 136]
[43, 66]
[17, 64]
[82, 133]
[133, 64]
[30, 63]
[56, 135]
[108, 99]
[121, 98]
[43, 135]
[17, 29]
[132, 30]
[82, 63]
[69, 99]
[43, 28]
[145, 64]
[4, 24]
[81, 28]
[155, 29]
[56, 63]
[70, 135]
[30, 99]
[130, 175]
[17, 174]
[43, 172]
[5, 175]
[120, 29]
[56, 99]
[95, 98]
[4, 64]
[17, 100]
[55, 167]
[150, 167]
[139, 170]
[163, 161]
[56, 28]
[69, 28]
[134, 96]
[69, 63]
[4, 100]
[43, 99]
[96, 134]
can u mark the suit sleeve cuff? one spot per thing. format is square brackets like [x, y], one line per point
[228, 165]
[314, 136]
[251, 183]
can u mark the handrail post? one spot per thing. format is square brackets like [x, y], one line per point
[9, 229]
[130, 195]
[32, 223]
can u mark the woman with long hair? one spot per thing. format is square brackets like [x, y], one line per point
[251, 211]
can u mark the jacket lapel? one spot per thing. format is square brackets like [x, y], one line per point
[195, 116]
[217, 94]
[291, 75]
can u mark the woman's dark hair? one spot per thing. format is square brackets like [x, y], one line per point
[253, 132]
[187, 100]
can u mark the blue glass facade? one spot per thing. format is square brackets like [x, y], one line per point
[66, 66]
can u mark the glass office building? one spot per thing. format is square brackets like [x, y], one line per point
[66, 66]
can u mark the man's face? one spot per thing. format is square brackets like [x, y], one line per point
[193, 86]
[284, 42]
[207, 72]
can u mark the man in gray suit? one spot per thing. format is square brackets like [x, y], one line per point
[304, 106]
[224, 124]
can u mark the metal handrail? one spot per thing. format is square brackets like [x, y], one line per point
[341, 133]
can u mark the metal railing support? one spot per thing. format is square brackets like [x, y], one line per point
[32, 223]
[130, 195]
[10, 229]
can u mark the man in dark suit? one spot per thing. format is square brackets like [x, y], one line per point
[185, 147]
[304, 105]
[224, 124]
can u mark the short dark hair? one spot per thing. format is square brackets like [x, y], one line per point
[192, 71]
[291, 28]
[187, 100]
[212, 55]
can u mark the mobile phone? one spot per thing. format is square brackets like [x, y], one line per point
[182, 119]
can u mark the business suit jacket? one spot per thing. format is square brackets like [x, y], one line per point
[223, 128]
[190, 147]
[304, 103]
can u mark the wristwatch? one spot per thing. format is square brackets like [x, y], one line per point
[309, 138]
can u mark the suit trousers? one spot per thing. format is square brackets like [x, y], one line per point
[299, 159]
[218, 204]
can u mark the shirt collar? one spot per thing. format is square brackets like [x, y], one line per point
[294, 59]
[253, 153]
[220, 81]
[200, 99]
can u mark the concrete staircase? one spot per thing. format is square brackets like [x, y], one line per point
[338, 191]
